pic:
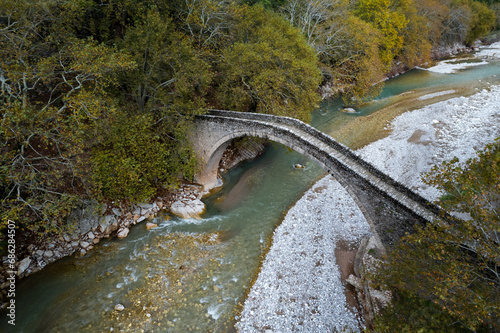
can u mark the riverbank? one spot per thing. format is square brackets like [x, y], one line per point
[416, 140]
[97, 221]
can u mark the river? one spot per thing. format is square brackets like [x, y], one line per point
[193, 275]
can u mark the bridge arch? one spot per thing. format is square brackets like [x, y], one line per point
[381, 198]
[212, 158]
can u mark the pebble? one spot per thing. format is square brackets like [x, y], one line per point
[119, 307]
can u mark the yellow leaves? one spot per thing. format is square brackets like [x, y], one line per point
[96, 59]
[389, 22]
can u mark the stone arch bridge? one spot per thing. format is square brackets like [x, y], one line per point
[390, 207]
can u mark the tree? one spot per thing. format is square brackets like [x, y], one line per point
[390, 23]
[269, 68]
[51, 94]
[144, 148]
[344, 45]
[358, 67]
[434, 12]
[417, 45]
[205, 21]
[447, 277]
[482, 21]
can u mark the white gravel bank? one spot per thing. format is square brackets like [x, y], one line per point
[422, 138]
[299, 288]
[487, 53]
[295, 294]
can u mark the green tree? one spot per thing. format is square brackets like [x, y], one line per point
[269, 69]
[447, 277]
[482, 21]
[51, 94]
[144, 148]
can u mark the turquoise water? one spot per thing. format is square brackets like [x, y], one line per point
[191, 275]
[416, 82]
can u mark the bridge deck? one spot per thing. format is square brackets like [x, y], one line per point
[333, 156]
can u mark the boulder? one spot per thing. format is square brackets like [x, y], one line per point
[108, 224]
[90, 235]
[48, 254]
[122, 233]
[137, 211]
[188, 209]
[84, 244]
[348, 110]
[23, 265]
[86, 218]
[146, 208]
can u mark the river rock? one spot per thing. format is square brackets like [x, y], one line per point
[48, 254]
[119, 307]
[39, 253]
[348, 110]
[23, 265]
[117, 211]
[90, 235]
[355, 281]
[107, 223]
[140, 219]
[146, 208]
[84, 244]
[189, 209]
[137, 211]
[87, 218]
[122, 233]
[150, 225]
